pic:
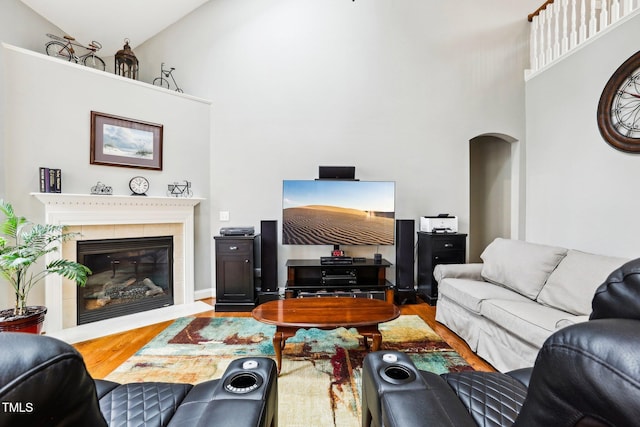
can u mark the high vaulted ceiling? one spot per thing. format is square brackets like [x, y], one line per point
[111, 21]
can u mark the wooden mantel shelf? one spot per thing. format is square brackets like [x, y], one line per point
[67, 199]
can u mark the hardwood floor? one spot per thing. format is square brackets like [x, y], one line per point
[103, 355]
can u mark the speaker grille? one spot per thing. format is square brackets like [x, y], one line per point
[269, 255]
[405, 256]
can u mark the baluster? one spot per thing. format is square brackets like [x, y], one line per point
[582, 33]
[573, 37]
[556, 31]
[549, 50]
[541, 55]
[593, 24]
[628, 7]
[534, 43]
[565, 30]
[604, 15]
[615, 11]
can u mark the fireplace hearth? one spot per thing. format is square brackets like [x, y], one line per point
[130, 275]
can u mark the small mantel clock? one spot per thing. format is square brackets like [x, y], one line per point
[139, 186]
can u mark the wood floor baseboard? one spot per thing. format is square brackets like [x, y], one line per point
[103, 355]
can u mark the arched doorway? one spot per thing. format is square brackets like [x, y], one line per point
[494, 195]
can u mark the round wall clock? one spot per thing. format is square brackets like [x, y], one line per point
[139, 186]
[619, 107]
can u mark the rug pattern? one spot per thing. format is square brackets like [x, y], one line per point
[319, 384]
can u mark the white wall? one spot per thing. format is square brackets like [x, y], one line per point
[582, 193]
[395, 88]
[19, 26]
[47, 106]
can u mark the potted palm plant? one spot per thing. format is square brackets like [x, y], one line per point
[22, 244]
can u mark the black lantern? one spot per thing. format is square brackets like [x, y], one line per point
[126, 62]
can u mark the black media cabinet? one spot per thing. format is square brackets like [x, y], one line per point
[235, 273]
[311, 278]
[434, 249]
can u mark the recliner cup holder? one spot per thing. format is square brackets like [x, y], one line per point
[243, 382]
[397, 374]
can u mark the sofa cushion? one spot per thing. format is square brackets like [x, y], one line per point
[470, 293]
[521, 266]
[530, 321]
[571, 320]
[572, 285]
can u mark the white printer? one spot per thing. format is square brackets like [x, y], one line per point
[442, 223]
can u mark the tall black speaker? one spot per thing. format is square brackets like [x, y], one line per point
[405, 259]
[269, 257]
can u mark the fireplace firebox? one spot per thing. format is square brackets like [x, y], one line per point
[130, 275]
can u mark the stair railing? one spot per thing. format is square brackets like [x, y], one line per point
[559, 26]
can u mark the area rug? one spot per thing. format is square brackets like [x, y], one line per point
[319, 384]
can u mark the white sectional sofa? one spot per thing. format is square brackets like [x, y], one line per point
[508, 305]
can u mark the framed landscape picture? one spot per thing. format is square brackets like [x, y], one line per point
[118, 141]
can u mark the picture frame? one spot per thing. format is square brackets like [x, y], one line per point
[123, 142]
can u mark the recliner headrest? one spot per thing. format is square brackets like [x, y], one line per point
[44, 381]
[619, 296]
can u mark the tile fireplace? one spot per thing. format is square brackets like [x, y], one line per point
[120, 218]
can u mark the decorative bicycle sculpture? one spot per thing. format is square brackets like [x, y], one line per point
[62, 47]
[100, 188]
[179, 190]
[162, 81]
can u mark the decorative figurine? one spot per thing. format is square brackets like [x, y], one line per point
[102, 189]
[127, 64]
[179, 190]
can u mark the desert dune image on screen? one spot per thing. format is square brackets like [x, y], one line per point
[338, 212]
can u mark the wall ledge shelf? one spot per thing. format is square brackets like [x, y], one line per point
[106, 74]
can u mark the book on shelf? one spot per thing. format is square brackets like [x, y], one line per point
[58, 184]
[50, 180]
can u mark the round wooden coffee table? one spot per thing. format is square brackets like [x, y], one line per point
[289, 315]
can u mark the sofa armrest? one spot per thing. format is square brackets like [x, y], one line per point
[434, 405]
[396, 393]
[244, 396]
[458, 271]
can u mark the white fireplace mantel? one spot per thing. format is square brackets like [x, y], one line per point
[75, 209]
[84, 209]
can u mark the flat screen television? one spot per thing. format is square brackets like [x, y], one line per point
[330, 212]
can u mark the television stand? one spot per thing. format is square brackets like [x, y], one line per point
[364, 279]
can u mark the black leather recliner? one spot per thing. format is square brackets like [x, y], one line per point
[44, 382]
[585, 375]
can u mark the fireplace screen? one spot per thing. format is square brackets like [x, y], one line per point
[129, 276]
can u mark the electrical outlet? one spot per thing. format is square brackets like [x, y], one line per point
[224, 215]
